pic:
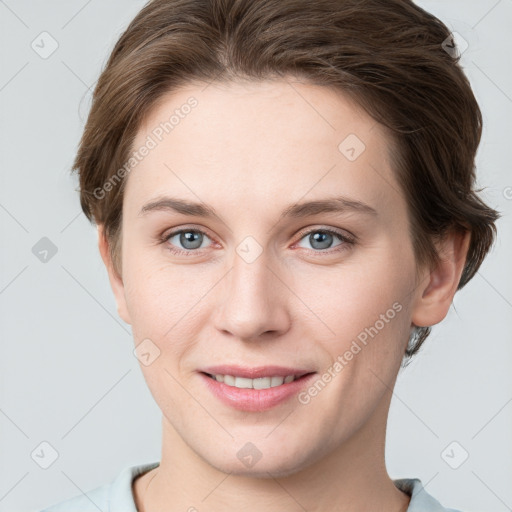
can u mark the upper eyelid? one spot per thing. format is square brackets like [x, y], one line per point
[336, 231]
[173, 232]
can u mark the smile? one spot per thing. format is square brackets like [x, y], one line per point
[260, 383]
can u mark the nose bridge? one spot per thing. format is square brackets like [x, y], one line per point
[253, 304]
[249, 283]
[251, 274]
[250, 278]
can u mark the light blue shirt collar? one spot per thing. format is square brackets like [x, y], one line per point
[118, 495]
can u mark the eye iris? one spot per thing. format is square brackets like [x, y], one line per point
[192, 237]
[320, 237]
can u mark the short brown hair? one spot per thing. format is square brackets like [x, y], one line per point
[388, 55]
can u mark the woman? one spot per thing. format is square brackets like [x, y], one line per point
[284, 197]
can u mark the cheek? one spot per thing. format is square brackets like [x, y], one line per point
[163, 299]
[352, 296]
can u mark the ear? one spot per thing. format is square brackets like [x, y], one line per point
[116, 281]
[438, 286]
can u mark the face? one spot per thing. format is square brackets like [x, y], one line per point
[257, 279]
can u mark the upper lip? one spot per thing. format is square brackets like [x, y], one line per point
[255, 372]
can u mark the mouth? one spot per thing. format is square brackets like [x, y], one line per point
[266, 382]
[255, 389]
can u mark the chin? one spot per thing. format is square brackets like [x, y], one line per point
[251, 462]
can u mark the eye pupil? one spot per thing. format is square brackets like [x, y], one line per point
[325, 239]
[191, 237]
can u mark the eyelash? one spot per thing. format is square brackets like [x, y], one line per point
[347, 241]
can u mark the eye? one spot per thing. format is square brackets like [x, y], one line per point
[322, 239]
[189, 239]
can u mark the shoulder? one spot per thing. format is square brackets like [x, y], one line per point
[421, 500]
[116, 496]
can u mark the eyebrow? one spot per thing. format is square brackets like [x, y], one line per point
[297, 210]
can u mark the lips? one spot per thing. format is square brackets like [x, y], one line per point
[255, 389]
[253, 399]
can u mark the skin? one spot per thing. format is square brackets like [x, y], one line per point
[250, 150]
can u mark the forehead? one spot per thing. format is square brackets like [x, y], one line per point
[259, 139]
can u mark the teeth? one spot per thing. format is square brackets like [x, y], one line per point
[260, 383]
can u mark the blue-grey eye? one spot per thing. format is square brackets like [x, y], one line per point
[322, 239]
[188, 239]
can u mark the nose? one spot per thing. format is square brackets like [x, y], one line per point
[253, 301]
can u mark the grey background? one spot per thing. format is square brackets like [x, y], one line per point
[67, 373]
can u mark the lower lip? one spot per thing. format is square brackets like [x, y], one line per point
[255, 400]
